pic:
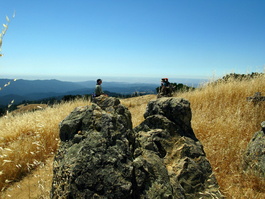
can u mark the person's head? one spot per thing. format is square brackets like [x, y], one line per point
[99, 81]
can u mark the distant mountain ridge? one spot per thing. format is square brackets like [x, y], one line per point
[29, 90]
[23, 87]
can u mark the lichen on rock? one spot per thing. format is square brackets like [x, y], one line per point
[101, 156]
[254, 156]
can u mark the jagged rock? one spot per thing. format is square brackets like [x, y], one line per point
[95, 155]
[263, 126]
[176, 110]
[254, 157]
[167, 146]
[101, 156]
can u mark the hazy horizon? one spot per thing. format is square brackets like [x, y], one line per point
[152, 80]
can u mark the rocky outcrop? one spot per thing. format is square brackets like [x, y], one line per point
[96, 153]
[169, 160]
[101, 156]
[254, 157]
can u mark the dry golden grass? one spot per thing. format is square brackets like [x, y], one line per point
[137, 107]
[35, 185]
[27, 140]
[222, 120]
[28, 108]
[3, 32]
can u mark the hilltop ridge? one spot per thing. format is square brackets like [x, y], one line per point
[30, 90]
[222, 120]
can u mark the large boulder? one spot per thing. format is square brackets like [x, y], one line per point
[101, 156]
[95, 156]
[169, 160]
[254, 157]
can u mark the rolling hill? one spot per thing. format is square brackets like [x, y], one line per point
[30, 90]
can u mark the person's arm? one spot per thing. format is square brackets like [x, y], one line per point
[100, 90]
[97, 90]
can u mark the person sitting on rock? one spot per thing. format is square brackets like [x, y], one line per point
[98, 92]
[165, 88]
[98, 89]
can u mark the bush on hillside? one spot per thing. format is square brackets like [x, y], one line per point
[178, 88]
[239, 77]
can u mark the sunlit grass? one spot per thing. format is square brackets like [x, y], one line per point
[28, 139]
[3, 32]
[137, 107]
[222, 119]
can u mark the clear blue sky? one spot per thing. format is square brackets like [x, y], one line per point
[79, 39]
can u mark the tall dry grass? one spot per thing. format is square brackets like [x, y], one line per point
[3, 32]
[28, 139]
[222, 120]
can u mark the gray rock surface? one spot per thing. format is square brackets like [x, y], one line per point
[101, 156]
[95, 155]
[254, 157]
[167, 146]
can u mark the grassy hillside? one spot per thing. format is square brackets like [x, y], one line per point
[222, 120]
[28, 139]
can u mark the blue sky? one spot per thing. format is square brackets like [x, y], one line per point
[83, 39]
